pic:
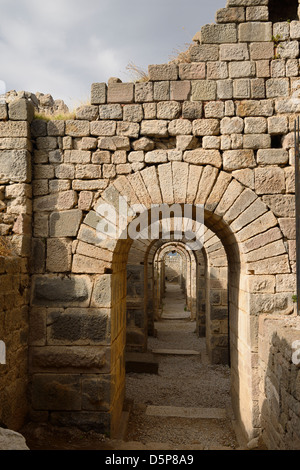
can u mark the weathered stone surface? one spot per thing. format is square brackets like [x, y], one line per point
[11, 440]
[214, 109]
[120, 93]
[98, 93]
[276, 87]
[230, 15]
[191, 110]
[256, 141]
[288, 227]
[143, 92]
[225, 89]
[203, 157]
[289, 49]
[103, 128]
[110, 111]
[101, 296]
[180, 90]
[61, 201]
[203, 90]
[180, 127]
[21, 110]
[156, 156]
[133, 113]
[168, 110]
[143, 144]
[14, 129]
[203, 127]
[255, 125]
[249, 108]
[281, 205]
[237, 159]
[218, 34]
[15, 165]
[230, 52]
[217, 70]
[204, 52]
[232, 125]
[77, 128]
[193, 71]
[65, 223]
[87, 112]
[59, 255]
[257, 13]
[52, 290]
[163, 72]
[255, 32]
[154, 128]
[241, 69]
[161, 91]
[272, 157]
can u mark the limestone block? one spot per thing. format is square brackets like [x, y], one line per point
[96, 393]
[225, 89]
[21, 110]
[268, 251]
[282, 30]
[288, 227]
[103, 128]
[276, 87]
[87, 112]
[230, 15]
[114, 143]
[149, 110]
[295, 29]
[218, 191]
[237, 159]
[154, 128]
[272, 157]
[59, 255]
[143, 144]
[85, 200]
[102, 292]
[180, 127]
[281, 205]
[257, 13]
[191, 110]
[211, 142]
[162, 91]
[263, 68]
[204, 52]
[242, 202]
[255, 32]
[38, 128]
[261, 50]
[52, 290]
[88, 143]
[133, 113]
[89, 185]
[77, 156]
[168, 110]
[195, 173]
[128, 129]
[120, 93]
[156, 156]
[143, 92]
[278, 68]
[3, 110]
[109, 170]
[249, 108]
[242, 69]
[166, 182]
[218, 33]
[65, 171]
[64, 200]
[11, 440]
[285, 283]
[77, 128]
[124, 168]
[214, 109]
[276, 303]
[261, 240]
[149, 176]
[207, 181]
[245, 176]
[234, 52]
[14, 129]
[110, 111]
[163, 72]
[289, 50]
[203, 157]
[186, 142]
[256, 141]
[292, 68]
[67, 143]
[98, 93]
[65, 223]
[255, 210]
[193, 71]
[86, 264]
[40, 187]
[255, 125]
[46, 143]
[180, 90]
[258, 88]
[15, 165]
[217, 70]
[203, 90]
[275, 265]
[203, 127]
[233, 125]
[241, 88]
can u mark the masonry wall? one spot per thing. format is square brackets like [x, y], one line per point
[280, 379]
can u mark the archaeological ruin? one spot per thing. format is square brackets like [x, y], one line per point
[212, 129]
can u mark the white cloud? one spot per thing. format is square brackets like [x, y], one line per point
[62, 46]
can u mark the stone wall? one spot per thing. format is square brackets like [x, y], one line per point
[279, 362]
[14, 296]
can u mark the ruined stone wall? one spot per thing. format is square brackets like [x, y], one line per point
[279, 362]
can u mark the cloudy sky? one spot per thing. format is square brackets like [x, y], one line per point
[62, 46]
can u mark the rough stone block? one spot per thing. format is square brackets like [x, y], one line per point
[110, 111]
[203, 90]
[218, 33]
[162, 91]
[180, 90]
[180, 127]
[241, 69]
[87, 112]
[233, 125]
[214, 109]
[102, 292]
[61, 201]
[77, 156]
[295, 30]
[96, 393]
[120, 93]
[256, 141]
[103, 128]
[230, 15]
[168, 110]
[56, 392]
[191, 110]
[57, 291]
[144, 92]
[255, 125]
[237, 159]
[269, 180]
[254, 108]
[272, 157]
[149, 110]
[65, 223]
[163, 72]
[203, 127]
[255, 32]
[133, 113]
[15, 165]
[3, 110]
[225, 89]
[281, 205]
[277, 87]
[203, 157]
[263, 68]
[204, 52]
[21, 110]
[289, 50]
[14, 129]
[258, 88]
[217, 70]
[282, 30]
[128, 129]
[156, 156]
[77, 128]
[98, 93]
[257, 13]
[234, 52]
[59, 255]
[193, 71]
[154, 128]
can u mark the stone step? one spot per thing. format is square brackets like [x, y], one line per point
[185, 412]
[141, 363]
[182, 352]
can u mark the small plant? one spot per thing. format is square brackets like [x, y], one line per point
[276, 39]
[137, 73]
[54, 117]
[294, 298]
